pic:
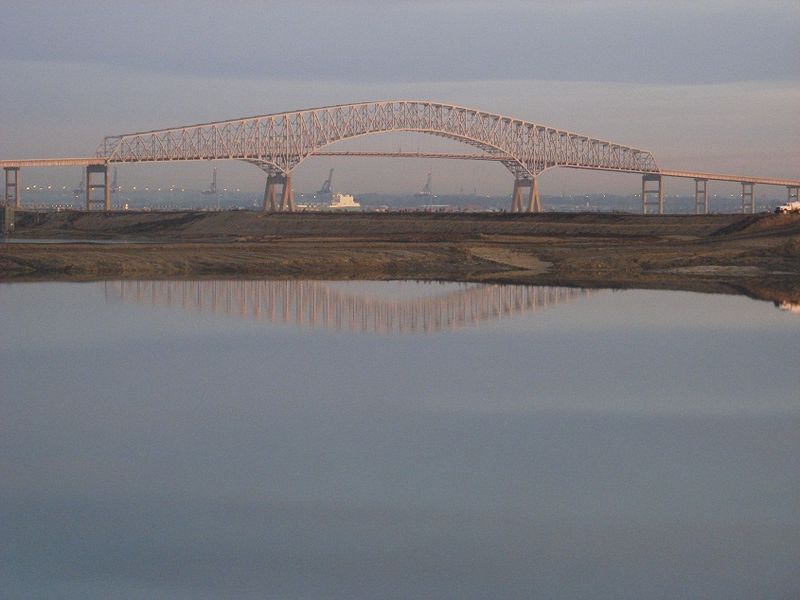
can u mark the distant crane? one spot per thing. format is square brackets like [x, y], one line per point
[80, 190]
[212, 189]
[325, 191]
[426, 191]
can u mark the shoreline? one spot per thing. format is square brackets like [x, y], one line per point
[754, 255]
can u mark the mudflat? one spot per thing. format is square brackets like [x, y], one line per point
[757, 255]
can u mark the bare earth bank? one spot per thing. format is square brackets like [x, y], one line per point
[757, 255]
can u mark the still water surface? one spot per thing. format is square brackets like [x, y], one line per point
[395, 440]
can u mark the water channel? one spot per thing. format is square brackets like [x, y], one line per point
[305, 439]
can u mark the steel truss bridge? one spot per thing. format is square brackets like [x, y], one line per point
[322, 304]
[277, 143]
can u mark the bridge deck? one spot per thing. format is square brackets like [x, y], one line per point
[727, 177]
[499, 157]
[52, 162]
[91, 160]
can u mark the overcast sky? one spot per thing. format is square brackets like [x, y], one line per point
[703, 85]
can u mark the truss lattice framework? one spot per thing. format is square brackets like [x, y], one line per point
[283, 140]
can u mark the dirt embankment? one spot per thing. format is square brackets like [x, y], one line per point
[735, 253]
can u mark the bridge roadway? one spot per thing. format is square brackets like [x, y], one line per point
[277, 143]
[321, 304]
[94, 161]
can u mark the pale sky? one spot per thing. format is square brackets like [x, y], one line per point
[710, 86]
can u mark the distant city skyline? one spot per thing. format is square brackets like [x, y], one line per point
[711, 87]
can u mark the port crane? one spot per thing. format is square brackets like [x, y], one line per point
[426, 191]
[80, 190]
[212, 189]
[325, 191]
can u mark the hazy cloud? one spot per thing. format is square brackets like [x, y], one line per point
[417, 41]
[712, 86]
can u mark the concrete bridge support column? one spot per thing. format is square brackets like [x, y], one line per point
[534, 202]
[748, 197]
[274, 179]
[516, 197]
[792, 194]
[7, 219]
[13, 191]
[701, 196]
[525, 197]
[269, 194]
[649, 192]
[91, 172]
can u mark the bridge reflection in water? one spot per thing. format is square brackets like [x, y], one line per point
[322, 304]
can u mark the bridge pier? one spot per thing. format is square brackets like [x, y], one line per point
[269, 195]
[91, 186]
[748, 197]
[792, 193]
[275, 178]
[648, 192]
[13, 193]
[522, 201]
[7, 219]
[701, 196]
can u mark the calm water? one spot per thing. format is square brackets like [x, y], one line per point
[395, 440]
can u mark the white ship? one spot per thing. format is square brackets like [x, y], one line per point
[343, 202]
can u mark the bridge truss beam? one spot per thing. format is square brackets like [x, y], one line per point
[284, 140]
[278, 142]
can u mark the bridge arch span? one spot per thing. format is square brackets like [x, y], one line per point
[278, 142]
[516, 166]
[279, 173]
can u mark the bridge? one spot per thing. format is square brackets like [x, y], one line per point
[321, 304]
[277, 143]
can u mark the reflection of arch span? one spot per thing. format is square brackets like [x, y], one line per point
[318, 304]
